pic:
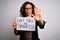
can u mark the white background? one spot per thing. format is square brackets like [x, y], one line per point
[9, 10]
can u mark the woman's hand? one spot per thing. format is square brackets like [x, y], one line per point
[14, 25]
[38, 15]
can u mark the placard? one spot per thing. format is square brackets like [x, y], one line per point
[25, 23]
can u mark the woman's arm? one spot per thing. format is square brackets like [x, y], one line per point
[41, 25]
[15, 30]
[38, 17]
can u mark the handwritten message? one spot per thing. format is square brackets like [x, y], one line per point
[25, 23]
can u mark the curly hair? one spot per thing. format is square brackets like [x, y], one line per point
[22, 10]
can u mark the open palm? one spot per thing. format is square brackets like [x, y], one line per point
[38, 15]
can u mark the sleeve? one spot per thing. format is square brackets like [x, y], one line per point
[41, 26]
[16, 32]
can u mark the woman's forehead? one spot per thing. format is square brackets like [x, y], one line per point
[28, 5]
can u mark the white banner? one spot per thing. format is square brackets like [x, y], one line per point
[25, 23]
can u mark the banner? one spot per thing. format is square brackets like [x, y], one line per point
[25, 23]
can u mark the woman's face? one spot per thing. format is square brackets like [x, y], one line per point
[28, 9]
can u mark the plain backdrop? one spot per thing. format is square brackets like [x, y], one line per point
[9, 10]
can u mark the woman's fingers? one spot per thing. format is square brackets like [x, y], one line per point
[37, 11]
[33, 16]
[14, 25]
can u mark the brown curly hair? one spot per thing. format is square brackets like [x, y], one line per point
[22, 10]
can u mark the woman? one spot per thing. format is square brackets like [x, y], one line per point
[29, 10]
